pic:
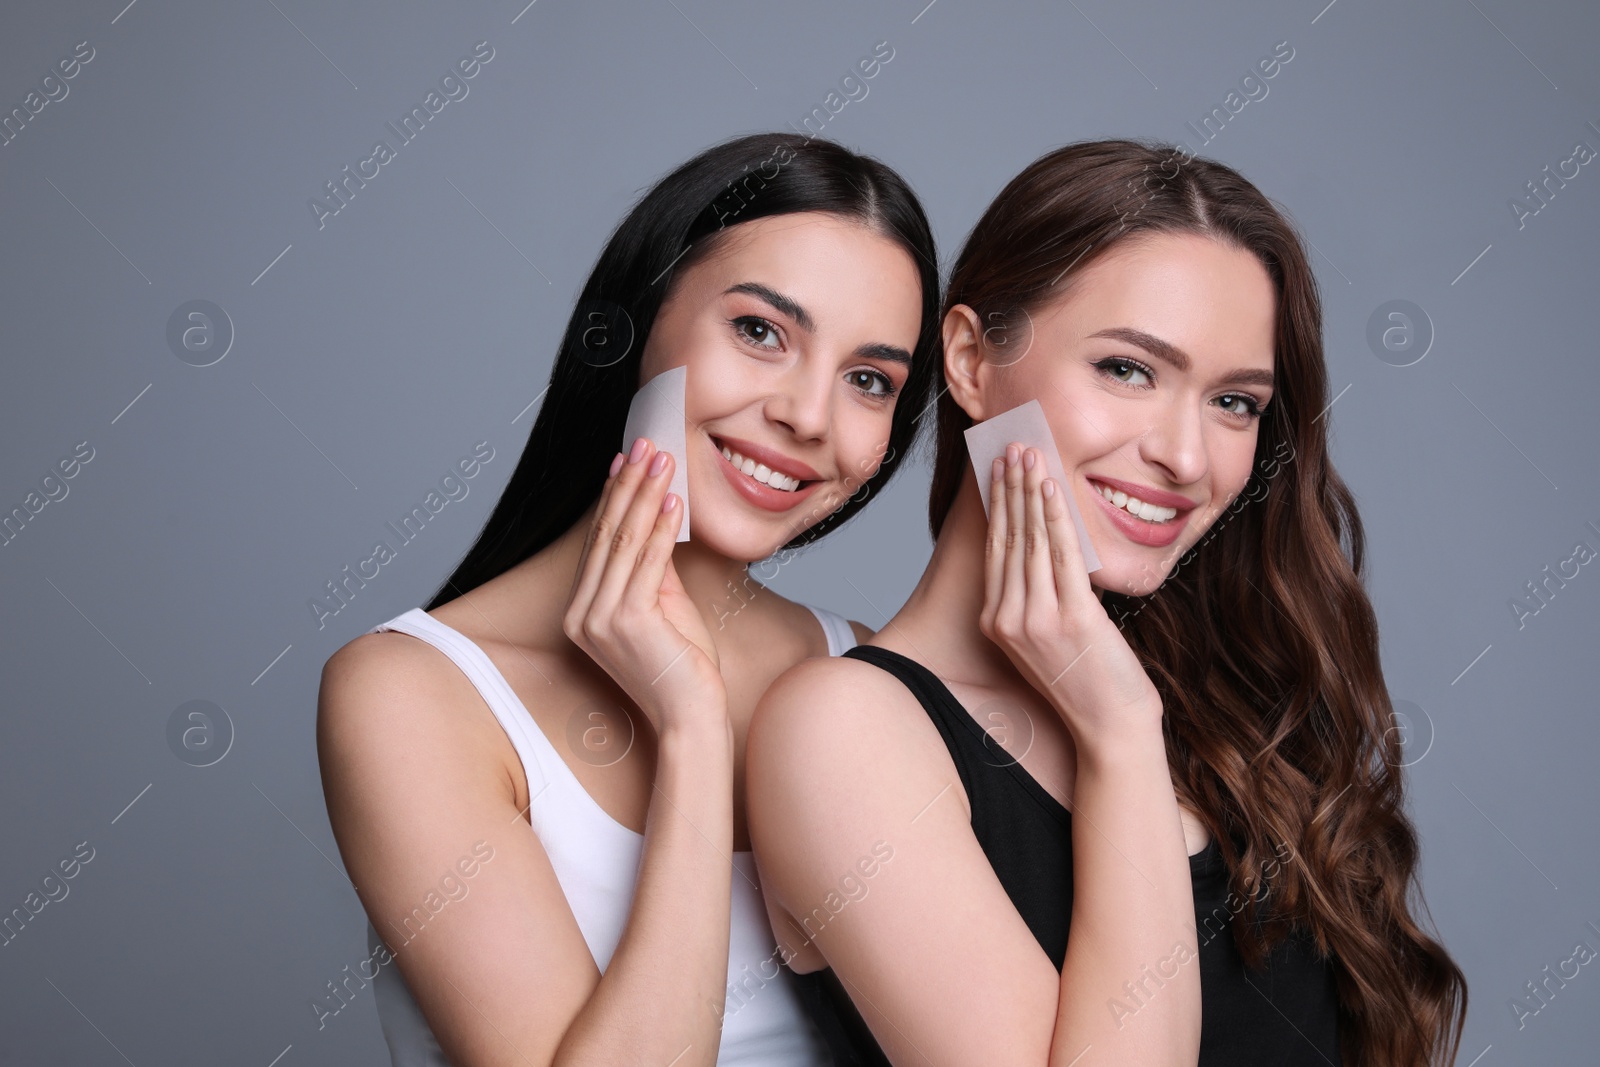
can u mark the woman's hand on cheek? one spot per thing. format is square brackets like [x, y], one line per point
[1040, 608]
[627, 608]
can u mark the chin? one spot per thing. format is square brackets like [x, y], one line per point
[1131, 577]
[731, 526]
[740, 539]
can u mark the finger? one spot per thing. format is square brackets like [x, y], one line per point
[1041, 583]
[1013, 596]
[617, 463]
[1071, 573]
[644, 589]
[607, 520]
[994, 551]
[635, 528]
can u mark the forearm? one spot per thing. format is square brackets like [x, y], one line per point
[660, 999]
[1132, 916]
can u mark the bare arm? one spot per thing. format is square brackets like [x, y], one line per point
[507, 978]
[1132, 917]
[934, 955]
[842, 760]
[1133, 903]
[502, 972]
[661, 998]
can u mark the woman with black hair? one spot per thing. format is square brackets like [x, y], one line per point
[584, 674]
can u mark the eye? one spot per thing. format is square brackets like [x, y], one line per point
[1115, 367]
[856, 378]
[1247, 414]
[757, 331]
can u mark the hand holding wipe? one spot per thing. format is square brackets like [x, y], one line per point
[657, 413]
[1048, 619]
[1026, 424]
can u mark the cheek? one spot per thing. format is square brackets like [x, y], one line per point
[861, 441]
[1087, 424]
[718, 384]
[1233, 460]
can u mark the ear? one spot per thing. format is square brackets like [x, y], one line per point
[964, 360]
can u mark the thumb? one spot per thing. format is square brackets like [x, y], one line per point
[670, 582]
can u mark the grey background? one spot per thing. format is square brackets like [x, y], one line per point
[375, 351]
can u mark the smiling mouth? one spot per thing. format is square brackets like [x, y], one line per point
[760, 473]
[1139, 509]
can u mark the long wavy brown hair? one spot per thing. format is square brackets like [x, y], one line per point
[1261, 639]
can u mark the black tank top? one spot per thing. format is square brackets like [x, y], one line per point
[1286, 1013]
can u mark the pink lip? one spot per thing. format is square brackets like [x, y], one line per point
[1137, 530]
[1158, 497]
[768, 458]
[762, 496]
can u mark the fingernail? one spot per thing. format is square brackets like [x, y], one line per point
[1011, 455]
[638, 450]
[658, 464]
[669, 503]
[999, 468]
[1027, 460]
[616, 465]
[1049, 488]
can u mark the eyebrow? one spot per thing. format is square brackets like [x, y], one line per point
[788, 305]
[791, 307]
[879, 350]
[1170, 353]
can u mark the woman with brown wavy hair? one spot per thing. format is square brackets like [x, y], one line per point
[1185, 757]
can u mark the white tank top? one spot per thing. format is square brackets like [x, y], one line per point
[596, 860]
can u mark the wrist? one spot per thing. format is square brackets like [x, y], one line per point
[704, 723]
[1127, 747]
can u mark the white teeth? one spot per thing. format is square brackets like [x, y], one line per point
[1134, 506]
[760, 472]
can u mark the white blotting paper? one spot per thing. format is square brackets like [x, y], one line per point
[1026, 425]
[657, 413]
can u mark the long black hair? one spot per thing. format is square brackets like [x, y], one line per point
[678, 222]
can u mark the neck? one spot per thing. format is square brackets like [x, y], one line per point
[706, 576]
[939, 623]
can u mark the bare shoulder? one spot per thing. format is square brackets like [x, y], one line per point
[838, 748]
[415, 782]
[390, 661]
[812, 706]
[396, 720]
[863, 839]
[388, 696]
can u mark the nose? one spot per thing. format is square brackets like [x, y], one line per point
[803, 401]
[1175, 442]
